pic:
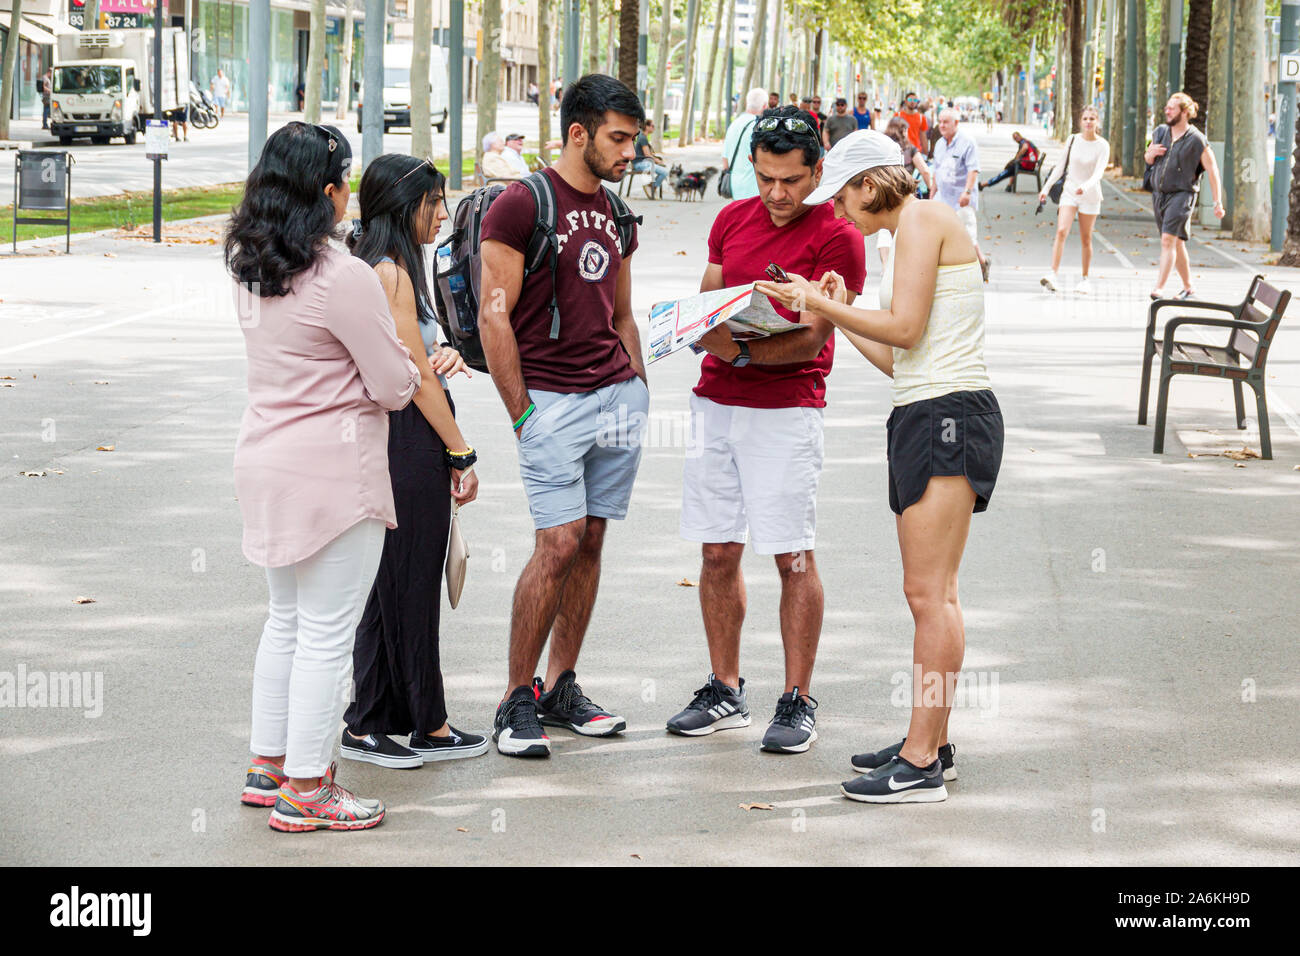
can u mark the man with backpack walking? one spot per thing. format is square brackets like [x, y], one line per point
[564, 352]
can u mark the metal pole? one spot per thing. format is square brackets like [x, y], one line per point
[731, 60]
[1130, 86]
[643, 52]
[1286, 123]
[1229, 159]
[372, 83]
[1110, 49]
[1176, 46]
[259, 79]
[456, 91]
[158, 17]
[1030, 84]
[572, 40]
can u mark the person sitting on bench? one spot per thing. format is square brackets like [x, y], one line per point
[1026, 159]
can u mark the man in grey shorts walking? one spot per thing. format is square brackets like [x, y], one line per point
[1177, 154]
[577, 396]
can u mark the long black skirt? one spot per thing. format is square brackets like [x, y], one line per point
[396, 668]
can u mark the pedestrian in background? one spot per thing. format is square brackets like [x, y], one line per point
[736, 144]
[647, 162]
[47, 87]
[397, 673]
[1026, 158]
[944, 436]
[220, 89]
[839, 124]
[956, 171]
[918, 127]
[861, 113]
[1177, 156]
[1086, 156]
[311, 465]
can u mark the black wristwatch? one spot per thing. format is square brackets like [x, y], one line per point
[741, 360]
[459, 462]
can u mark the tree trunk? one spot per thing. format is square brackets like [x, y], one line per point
[661, 75]
[489, 76]
[629, 25]
[1252, 206]
[315, 63]
[346, 44]
[1291, 242]
[778, 41]
[752, 66]
[1217, 74]
[89, 14]
[611, 42]
[708, 75]
[1140, 134]
[593, 36]
[688, 78]
[729, 69]
[1117, 103]
[1162, 55]
[1196, 66]
[1077, 98]
[421, 41]
[817, 61]
[10, 65]
[544, 10]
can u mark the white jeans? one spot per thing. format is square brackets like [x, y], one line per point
[303, 676]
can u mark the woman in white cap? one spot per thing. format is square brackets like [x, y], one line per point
[945, 432]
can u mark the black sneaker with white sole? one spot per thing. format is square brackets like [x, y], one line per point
[380, 750]
[794, 727]
[565, 705]
[864, 763]
[898, 782]
[515, 727]
[455, 746]
[716, 707]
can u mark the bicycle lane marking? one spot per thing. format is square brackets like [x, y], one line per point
[1227, 255]
[50, 340]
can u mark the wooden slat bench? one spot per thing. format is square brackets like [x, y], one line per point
[1240, 360]
[1036, 172]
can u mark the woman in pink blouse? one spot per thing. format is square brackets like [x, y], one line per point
[311, 465]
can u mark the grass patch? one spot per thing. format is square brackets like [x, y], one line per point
[129, 210]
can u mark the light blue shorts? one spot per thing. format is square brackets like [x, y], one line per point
[579, 452]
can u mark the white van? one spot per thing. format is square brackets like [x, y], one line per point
[397, 87]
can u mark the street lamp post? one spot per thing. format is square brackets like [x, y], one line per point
[456, 92]
[1289, 30]
[158, 16]
[372, 80]
[259, 80]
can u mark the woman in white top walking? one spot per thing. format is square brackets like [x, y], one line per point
[945, 433]
[1086, 161]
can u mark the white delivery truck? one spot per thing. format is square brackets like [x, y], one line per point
[103, 82]
[397, 87]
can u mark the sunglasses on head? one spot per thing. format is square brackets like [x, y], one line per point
[791, 123]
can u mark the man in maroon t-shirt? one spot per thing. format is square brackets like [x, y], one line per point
[578, 401]
[755, 456]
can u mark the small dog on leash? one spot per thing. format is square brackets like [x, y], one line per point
[692, 184]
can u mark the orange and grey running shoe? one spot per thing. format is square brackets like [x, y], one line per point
[328, 807]
[262, 783]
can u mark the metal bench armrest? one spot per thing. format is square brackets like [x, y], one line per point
[1156, 306]
[1180, 320]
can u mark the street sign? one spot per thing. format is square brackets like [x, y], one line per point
[156, 138]
[42, 181]
[1288, 67]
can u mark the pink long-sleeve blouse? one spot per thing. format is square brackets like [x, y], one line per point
[324, 365]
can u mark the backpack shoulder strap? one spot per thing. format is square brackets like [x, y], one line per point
[625, 220]
[544, 243]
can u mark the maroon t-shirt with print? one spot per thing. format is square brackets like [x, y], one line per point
[588, 354]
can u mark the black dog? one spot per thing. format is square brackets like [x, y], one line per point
[692, 184]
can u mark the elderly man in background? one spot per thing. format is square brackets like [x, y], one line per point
[495, 165]
[956, 171]
[514, 154]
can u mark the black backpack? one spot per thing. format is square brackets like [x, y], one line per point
[458, 276]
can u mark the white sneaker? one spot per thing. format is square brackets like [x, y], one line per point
[1084, 287]
[1050, 282]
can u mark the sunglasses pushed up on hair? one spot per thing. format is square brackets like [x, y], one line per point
[793, 124]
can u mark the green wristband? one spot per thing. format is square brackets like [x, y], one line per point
[524, 417]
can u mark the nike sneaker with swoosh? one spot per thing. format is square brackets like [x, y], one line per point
[716, 707]
[565, 705]
[863, 763]
[898, 782]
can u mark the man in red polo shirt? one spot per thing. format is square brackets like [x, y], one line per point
[755, 455]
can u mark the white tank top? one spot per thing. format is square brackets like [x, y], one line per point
[950, 355]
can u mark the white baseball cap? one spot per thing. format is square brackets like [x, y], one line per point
[861, 150]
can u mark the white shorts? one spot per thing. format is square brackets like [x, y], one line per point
[967, 216]
[1079, 202]
[752, 470]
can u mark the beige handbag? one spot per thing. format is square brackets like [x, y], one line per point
[457, 559]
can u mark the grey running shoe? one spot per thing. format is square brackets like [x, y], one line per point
[794, 727]
[865, 763]
[515, 727]
[565, 705]
[898, 782]
[715, 707]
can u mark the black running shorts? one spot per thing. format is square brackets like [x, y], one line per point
[1174, 212]
[960, 433]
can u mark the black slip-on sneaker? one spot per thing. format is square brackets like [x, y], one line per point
[865, 763]
[380, 750]
[457, 745]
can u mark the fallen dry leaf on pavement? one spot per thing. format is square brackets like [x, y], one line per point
[461, 830]
[83, 600]
[757, 806]
[6, 378]
[686, 583]
[680, 252]
[33, 474]
[101, 383]
[1239, 464]
[110, 255]
[1245, 454]
[105, 448]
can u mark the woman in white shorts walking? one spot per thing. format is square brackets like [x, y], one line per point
[1086, 160]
